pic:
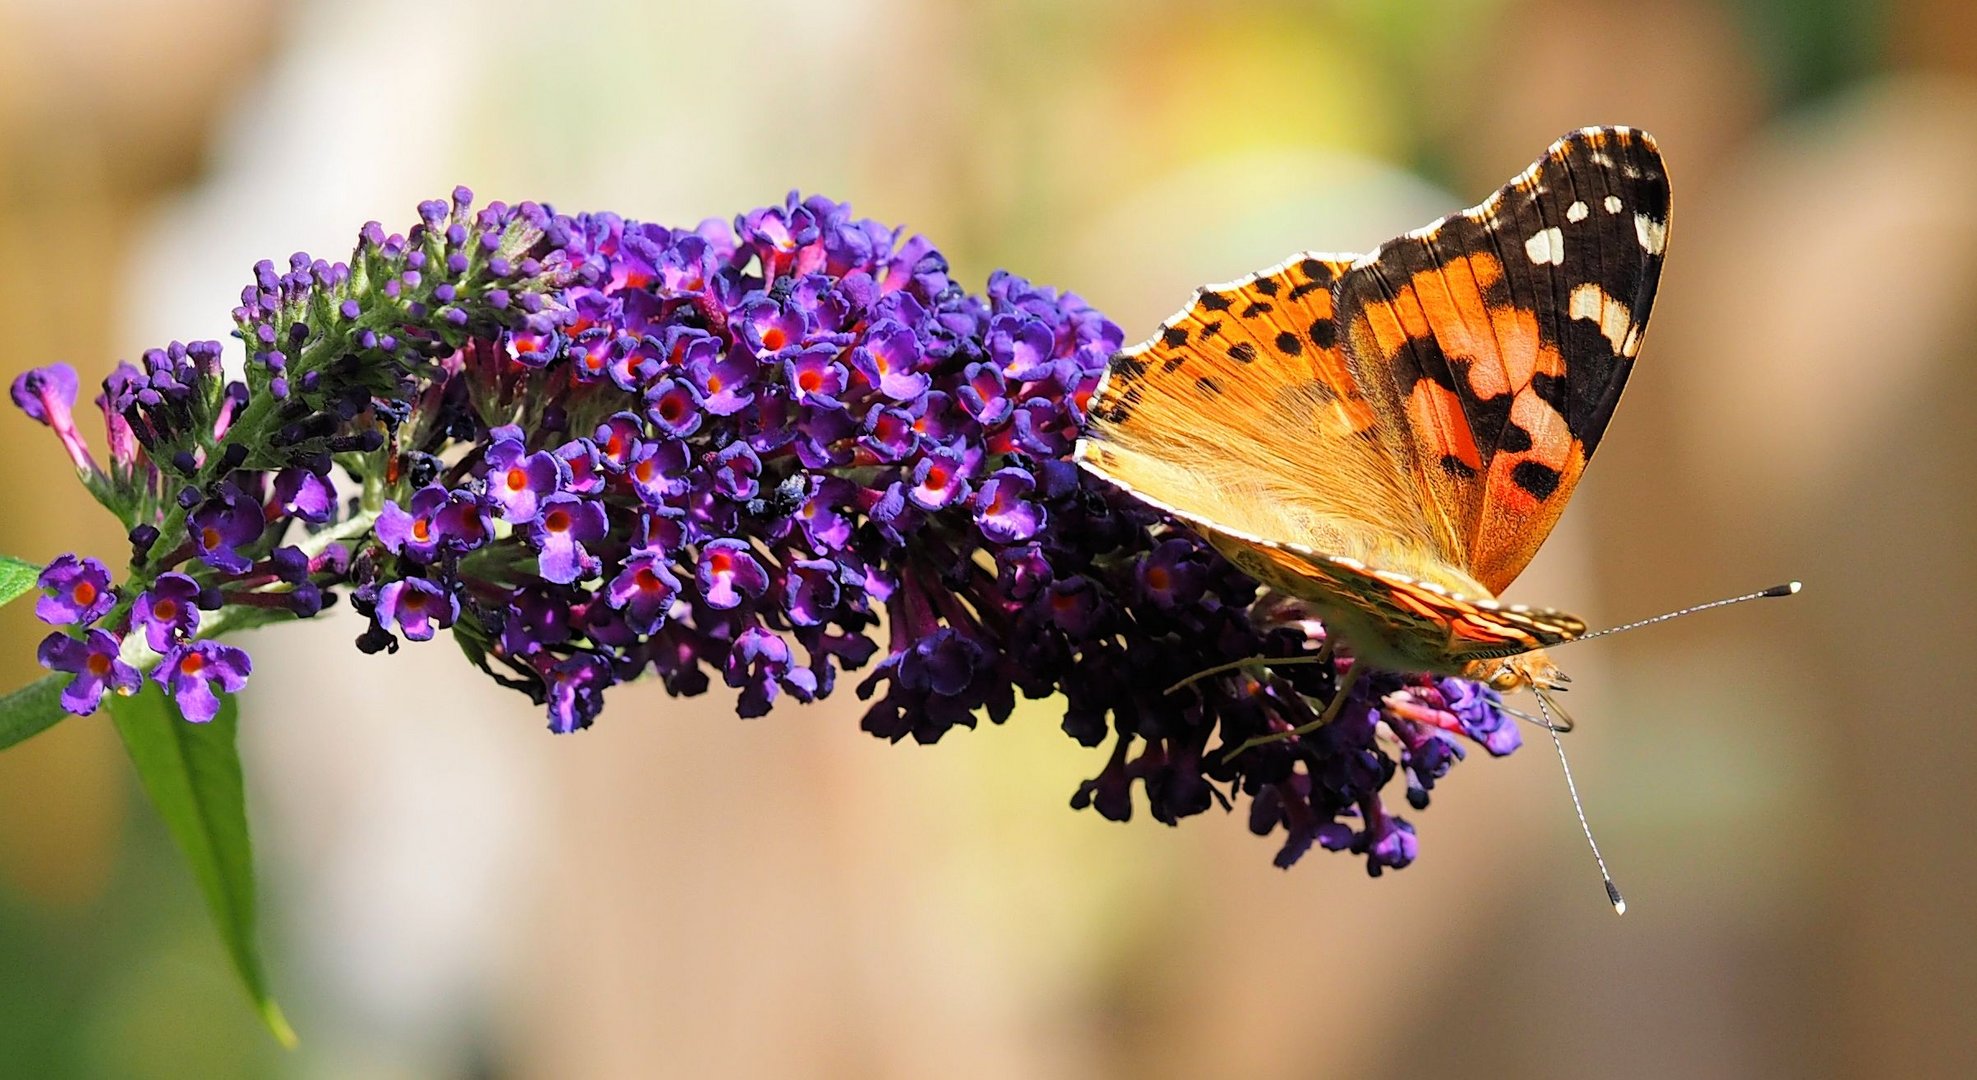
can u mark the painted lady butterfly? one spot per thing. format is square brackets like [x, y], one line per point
[1389, 437]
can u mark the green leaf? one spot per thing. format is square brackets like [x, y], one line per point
[17, 578]
[192, 773]
[32, 709]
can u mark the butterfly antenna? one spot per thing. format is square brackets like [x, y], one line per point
[1612, 891]
[1787, 589]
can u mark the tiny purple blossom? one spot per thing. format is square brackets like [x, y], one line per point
[771, 329]
[305, 494]
[576, 691]
[224, 523]
[673, 406]
[939, 479]
[645, 590]
[189, 671]
[889, 360]
[560, 532]
[518, 481]
[1003, 509]
[815, 377]
[811, 591]
[76, 590]
[168, 611]
[416, 607]
[726, 380]
[48, 394]
[95, 662]
[729, 573]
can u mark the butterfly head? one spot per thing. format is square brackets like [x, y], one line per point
[1533, 669]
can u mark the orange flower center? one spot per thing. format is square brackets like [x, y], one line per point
[518, 478]
[84, 593]
[165, 610]
[192, 664]
[557, 521]
[99, 664]
[774, 338]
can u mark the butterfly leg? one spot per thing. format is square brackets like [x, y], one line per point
[1331, 711]
[1323, 655]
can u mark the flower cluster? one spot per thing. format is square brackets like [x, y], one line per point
[594, 448]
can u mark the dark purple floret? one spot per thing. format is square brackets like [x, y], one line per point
[225, 522]
[416, 608]
[729, 574]
[645, 590]
[518, 481]
[168, 611]
[563, 526]
[75, 591]
[305, 494]
[189, 671]
[94, 661]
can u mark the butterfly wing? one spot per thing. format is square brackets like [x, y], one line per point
[1240, 416]
[1391, 437]
[1395, 621]
[1493, 345]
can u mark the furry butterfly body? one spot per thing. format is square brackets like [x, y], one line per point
[1390, 437]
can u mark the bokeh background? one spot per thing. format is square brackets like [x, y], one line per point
[1783, 789]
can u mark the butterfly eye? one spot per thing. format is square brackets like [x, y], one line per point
[1505, 677]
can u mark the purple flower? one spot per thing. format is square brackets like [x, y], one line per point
[735, 468]
[416, 607]
[1174, 574]
[95, 662]
[673, 406]
[1003, 510]
[815, 377]
[189, 671]
[771, 329]
[305, 493]
[580, 457]
[811, 591]
[565, 525]
[939, 479]
[227, 521]
[48, 394]
[576, 691]
[729, 573]
[618, 441]
[645, 590]
[726, 380]
[889, 360]
[76, 590]
[658, 471]
[168, 611]
[1023, 348]
[436, 519]
[518, 481]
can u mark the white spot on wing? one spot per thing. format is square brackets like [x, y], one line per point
[1576, 212]
[1615, 319]
[1612, 204]
[1548, 246]
[1652, 234]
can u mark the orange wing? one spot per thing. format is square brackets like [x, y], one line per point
[1240, 415]
[1494, 344]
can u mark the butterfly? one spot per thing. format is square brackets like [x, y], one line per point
[1389, 437]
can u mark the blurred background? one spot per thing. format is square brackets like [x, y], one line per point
[1782, 789]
